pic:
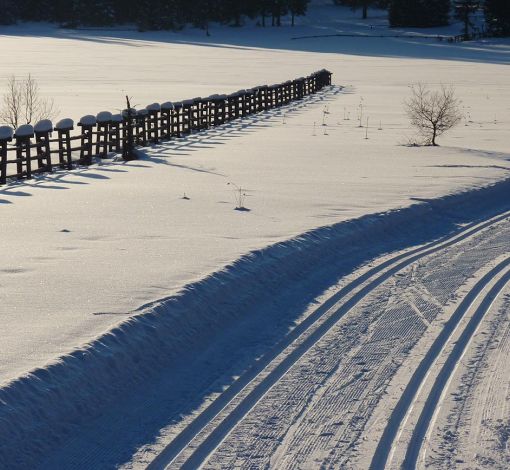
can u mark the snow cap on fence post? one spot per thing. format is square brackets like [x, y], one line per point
[88, 121]
[104, 117]
[6, 133]
[66, 124]
[44, 126]
[153, 108]
[26, 130]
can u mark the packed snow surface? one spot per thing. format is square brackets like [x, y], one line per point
[82, 250]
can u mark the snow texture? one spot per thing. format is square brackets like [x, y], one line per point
[93, 377]
[110, 271]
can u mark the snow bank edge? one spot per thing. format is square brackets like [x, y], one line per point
[39, 409]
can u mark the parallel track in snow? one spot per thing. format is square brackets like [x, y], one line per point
[388, 442]
[441, 382]
[195, 443]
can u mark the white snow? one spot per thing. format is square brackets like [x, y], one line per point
[104, 116]
[120, 236]
[88, 120]
[6, 132]
[24, 131]
[80, 251]
[44, 126]
[65, 124]
[154, 107]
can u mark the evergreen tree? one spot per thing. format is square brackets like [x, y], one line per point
[358, 5]
[149, 14]
[94, 12]
[419, 13]
[278, 9]
[297, 8]
[264, 9]
[463, 10]
[232, 11]
[203, 12]
[497, 14]
[9, 11]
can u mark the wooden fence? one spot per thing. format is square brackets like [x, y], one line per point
[33, 149]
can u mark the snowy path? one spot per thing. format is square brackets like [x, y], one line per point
[440, 382]
[473, 427]
[308, 400]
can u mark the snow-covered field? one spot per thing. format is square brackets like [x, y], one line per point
[82, 251]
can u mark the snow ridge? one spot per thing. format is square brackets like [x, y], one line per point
[38, 410]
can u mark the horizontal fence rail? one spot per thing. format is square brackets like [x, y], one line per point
[43, 147]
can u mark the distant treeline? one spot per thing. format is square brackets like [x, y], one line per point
[430, 13]
[150, 14]
[175, 14]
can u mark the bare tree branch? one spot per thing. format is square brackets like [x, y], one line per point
[433, 112]
[23, 104]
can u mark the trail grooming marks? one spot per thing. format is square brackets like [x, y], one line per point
[387, 443]
[195, 443]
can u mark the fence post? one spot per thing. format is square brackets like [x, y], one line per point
[271, 97]
[114, 134]
[195, 114]
[177, 119]
[251, 102]
[153, 122]
[87, 124]
[65, 154]
[231, 107]
[42, 138]
[104, 120]
[166, 119]
[23, 136]
[187, 111]
[141, 127]
[221, 106]
[128, 135]
[6, 135]
[203, 115]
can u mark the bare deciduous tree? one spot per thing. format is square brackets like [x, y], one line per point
[23, 104]
[433, 112]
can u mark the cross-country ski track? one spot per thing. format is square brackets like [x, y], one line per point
[200, 440]
[387, 444]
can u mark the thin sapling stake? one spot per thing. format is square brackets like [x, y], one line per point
[325, 112]
[239, 197]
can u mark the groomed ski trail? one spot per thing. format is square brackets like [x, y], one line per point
[386, 447]
[198, 441]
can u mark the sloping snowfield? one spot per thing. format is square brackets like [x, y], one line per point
[83, 251]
